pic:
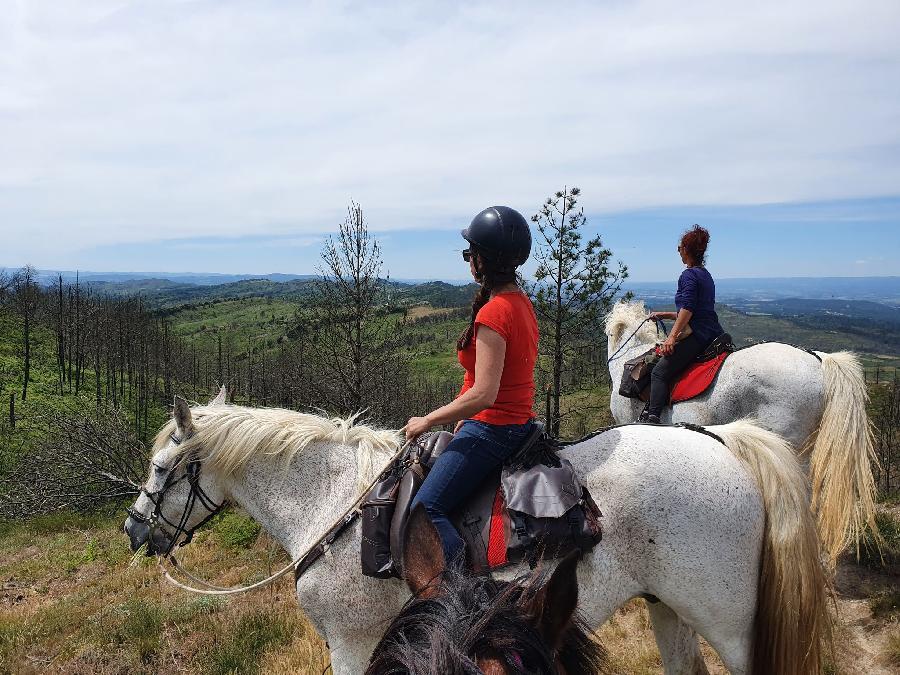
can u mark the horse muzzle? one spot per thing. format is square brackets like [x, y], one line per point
[140, 533]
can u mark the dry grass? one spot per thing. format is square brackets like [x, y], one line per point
[892, 653]
[420, 311]
[628, 636]
[71, 604]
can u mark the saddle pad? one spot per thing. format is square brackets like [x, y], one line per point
[697, 378]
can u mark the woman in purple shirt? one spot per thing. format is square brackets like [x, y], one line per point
[695, 301]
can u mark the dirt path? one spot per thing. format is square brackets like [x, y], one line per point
[867, 618]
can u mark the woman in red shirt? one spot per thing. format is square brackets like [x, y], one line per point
[498, 350]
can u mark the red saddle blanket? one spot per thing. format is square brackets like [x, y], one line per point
[697, 378]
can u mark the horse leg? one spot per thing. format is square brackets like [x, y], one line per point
[677, 642]
[350, 653]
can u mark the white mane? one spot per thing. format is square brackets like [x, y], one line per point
[227, 436]
[626, 316]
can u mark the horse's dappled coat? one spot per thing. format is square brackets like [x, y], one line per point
[684, 520]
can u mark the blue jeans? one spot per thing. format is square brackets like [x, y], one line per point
[476, 449]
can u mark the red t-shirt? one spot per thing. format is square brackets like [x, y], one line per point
[511, 315]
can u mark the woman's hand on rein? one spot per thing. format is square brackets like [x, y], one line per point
[668, 346]
[416, 427]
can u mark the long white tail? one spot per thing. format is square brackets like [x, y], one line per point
[840, 467]
[791, 612]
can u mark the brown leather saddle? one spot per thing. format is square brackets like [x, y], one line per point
[533, 507]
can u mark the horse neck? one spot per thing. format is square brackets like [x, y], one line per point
[296, 504]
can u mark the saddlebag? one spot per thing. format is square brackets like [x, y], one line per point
[551, 514]
[636, 374]
[386, 508]
[377, 512]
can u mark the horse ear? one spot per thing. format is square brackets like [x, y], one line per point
[423, 554]
[182, 415]
[553, 605]
[220, 397]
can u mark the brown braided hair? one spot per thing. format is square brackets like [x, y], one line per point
[491, 275]
[694, 241]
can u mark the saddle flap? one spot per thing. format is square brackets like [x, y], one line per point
[408, 487]
[474, 523]
[542, 491]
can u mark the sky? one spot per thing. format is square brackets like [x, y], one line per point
[230, 136]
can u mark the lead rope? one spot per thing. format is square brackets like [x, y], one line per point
[322, 544]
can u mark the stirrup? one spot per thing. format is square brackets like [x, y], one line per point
[646, 411]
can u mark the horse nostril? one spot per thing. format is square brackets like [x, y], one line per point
[138, 533]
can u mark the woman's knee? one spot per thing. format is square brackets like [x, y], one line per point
[428, 499]
[660, 373]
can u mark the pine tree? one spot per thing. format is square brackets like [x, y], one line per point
[575, 283]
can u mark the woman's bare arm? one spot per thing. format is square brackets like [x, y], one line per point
[490, 350]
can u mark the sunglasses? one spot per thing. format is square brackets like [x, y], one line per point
[467, 254]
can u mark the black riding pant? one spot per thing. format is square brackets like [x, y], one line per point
[668, 368]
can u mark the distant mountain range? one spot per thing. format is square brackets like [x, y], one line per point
[876, 289]
[740, 293]
[160, 279]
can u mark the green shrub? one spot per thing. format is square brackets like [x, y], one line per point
[142, 628]
[239, 650]
[9, 639]
[236, 531]
[889, 528]
[885, 603]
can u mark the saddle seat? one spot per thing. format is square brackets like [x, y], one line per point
[534, 506]
[691, 382]
[719, 345]
[699, 376]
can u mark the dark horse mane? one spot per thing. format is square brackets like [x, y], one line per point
[465, 617]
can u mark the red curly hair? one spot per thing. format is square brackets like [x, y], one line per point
[694, 242]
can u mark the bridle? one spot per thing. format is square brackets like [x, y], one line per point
[192, 474]
[156, 517]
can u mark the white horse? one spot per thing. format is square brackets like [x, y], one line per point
[817, 404]
[722, 536]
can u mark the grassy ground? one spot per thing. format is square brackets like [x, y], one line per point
[71, 602]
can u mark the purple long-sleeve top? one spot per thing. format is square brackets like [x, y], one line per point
[697, 292]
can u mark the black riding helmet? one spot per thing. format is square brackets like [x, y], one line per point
[500, 234]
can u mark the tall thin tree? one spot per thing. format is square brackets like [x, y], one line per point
[356, 336]
[575, 282]
[27, 296]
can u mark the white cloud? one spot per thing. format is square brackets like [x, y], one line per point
[136, 121]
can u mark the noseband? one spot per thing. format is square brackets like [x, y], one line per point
[192, 475]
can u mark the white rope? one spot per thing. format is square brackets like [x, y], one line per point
[211, 589]
[218, 590]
